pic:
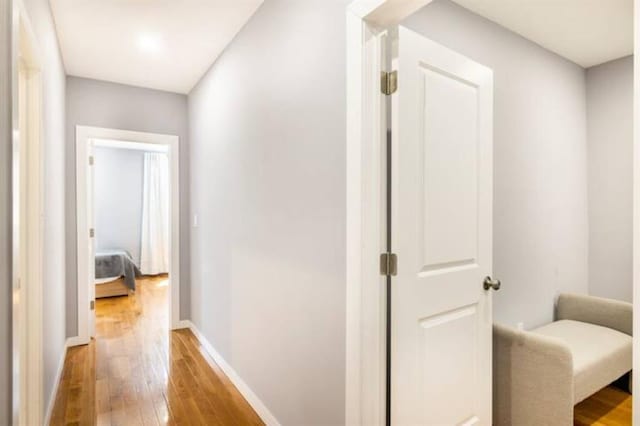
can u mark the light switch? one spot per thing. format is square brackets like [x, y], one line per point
[195, 220]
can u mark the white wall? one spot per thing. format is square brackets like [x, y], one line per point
[610, 142]
[118, 176]
[53, 131]
[540, 160]
[117, 106]
[267, 133]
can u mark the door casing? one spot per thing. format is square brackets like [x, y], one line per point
[84, 135]
[27, 222]
[636, 206]
[368, 27]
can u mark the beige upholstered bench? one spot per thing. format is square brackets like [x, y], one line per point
[539, 375]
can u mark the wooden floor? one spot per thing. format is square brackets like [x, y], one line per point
[609, 407]
[137, 373]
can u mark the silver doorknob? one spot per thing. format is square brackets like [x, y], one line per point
[490, 284]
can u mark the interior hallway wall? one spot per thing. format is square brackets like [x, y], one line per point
[118, 181]
[540, 161]
[54, 196]
[54, 192]
[610, 142]
[111, 105]
[268, 168]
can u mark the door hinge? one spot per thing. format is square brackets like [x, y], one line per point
[92, 233]
[91, 160]
[92, 305]
[388, 264]
[389, 82]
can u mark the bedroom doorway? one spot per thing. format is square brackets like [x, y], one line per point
[128, 231]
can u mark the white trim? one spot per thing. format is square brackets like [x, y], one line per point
[75, 341]
[367, 21]
[84, 134]
[182, 324]
[365, 224]
[135, 146]
[636, 211]
[385, 13]
[28, 368]
[258, 406]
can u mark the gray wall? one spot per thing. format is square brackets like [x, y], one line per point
[118, 199]
[111, 105]
[53, 131]
[54, 196]
[268, 183]
[5, 211]
[610, 142]
[540, 161]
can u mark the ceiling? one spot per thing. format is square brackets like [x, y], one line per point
[587, 32]
[159, 44]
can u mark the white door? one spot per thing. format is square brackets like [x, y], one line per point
[92, 241]
[441, 207]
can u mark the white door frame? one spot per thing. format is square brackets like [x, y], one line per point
[27, 225]
[84, 134]
[367, 24]
[367, 21]
[636, 210]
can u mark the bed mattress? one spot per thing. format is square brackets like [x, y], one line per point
[116, 263]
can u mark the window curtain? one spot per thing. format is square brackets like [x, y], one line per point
[154, 248]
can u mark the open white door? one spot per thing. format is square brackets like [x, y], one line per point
[441, 318]
[91, 267]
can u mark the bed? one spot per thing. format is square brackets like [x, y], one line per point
[115, 274]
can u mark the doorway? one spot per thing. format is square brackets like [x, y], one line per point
[153, 250]
[370, 27]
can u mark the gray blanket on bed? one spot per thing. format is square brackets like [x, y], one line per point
[117, 263]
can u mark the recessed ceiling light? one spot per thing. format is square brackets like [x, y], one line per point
[151, 43]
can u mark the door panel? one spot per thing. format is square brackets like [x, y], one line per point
[449, 170]
[441, 207]
[450, 349]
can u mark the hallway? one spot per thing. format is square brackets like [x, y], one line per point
[134, 374]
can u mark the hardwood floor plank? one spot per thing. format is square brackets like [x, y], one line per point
[137, 373]
[609, 407]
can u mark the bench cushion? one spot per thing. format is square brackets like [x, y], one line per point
[600, 354]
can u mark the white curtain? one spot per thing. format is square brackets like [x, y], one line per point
[154, 250]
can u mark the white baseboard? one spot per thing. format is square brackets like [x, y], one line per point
[182, 324]
[267, 417]
[76, 341]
